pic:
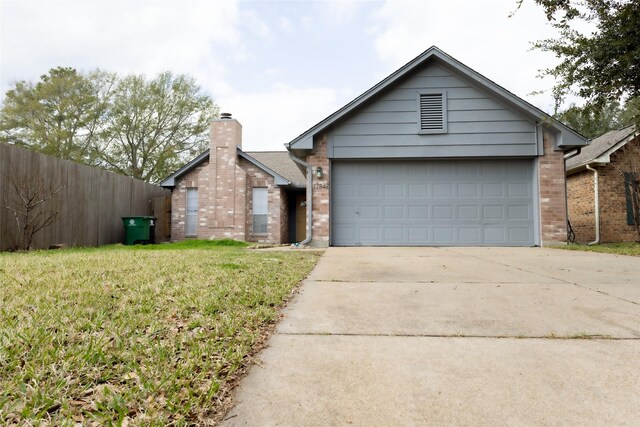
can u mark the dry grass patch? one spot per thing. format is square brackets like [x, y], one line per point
[140, 336]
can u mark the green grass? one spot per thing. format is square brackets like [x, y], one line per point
[632, 249]
[153, 335]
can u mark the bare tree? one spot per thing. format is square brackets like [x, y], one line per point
[628, 166]
[35, 203]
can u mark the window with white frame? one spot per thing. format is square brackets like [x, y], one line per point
[260, 210]
[191, 218]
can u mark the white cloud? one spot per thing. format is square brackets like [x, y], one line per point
[338, 12]
[479, 34]
[285, 25]
[255, 25]
[139, 36]
[275, 116]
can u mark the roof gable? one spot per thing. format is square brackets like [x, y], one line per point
[170, 181]
[567, 137]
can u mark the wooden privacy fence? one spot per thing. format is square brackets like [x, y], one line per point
[92, 200]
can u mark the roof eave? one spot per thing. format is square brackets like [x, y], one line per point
[170, 181]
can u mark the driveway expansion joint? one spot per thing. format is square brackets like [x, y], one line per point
[576, 337]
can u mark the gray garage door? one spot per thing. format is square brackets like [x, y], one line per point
[446, 202]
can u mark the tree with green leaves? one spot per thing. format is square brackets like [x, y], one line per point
[59, 115]
[598, 45]
[140, 127]
[153, 126]
[592, 122]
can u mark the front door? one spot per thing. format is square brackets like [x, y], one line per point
[301, 217]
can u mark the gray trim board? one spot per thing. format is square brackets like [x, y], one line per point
[537, 215]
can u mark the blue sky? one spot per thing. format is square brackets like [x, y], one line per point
[278, 66]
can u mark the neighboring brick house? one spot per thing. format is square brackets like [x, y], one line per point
[600, 162]
[433, 155]
[228, 193]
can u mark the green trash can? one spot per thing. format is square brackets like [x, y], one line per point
[139, 229]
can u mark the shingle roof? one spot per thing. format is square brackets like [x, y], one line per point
[599, 146]
[281, 163]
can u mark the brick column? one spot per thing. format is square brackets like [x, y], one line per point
[227, 216]
[318, 158]
[553, 208]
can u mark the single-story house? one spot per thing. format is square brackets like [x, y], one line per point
[599, 187]
[434, 154]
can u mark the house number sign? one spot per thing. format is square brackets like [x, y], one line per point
[321, 186]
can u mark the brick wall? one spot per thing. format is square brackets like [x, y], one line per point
[258, 178]
[318, 157]
[580, 201]
[553, 212]
[198, 178]
[613, 204]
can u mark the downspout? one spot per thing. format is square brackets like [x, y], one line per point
[596, 203]
[309, 196]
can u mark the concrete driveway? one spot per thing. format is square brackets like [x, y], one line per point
[453, 336]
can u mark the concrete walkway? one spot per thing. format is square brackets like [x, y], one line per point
[453, 336]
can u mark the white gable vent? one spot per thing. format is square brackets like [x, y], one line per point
[432, 110]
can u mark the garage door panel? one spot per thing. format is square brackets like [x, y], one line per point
[394, 234]
[519, 212]
[519, 234]
[442, 212]
[369, 235]
[418, 191]
[493, 189]
[469, 235]
[418, 235]
[443, 235]
[469, 213]
[446, 202]
[442, 190]
[467, 190]
[495, 212]
[418, 212]
[368, 190]
[494, 235]
[519, 189]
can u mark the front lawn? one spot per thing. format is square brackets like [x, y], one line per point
[140, 335]
[632, 249]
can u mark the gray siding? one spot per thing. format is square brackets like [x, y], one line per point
[478, 125]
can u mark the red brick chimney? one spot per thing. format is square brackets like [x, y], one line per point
[227, 179]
